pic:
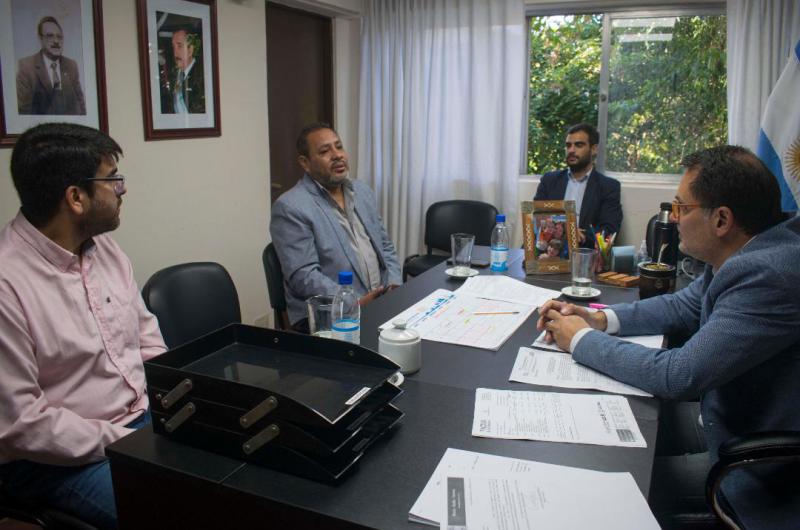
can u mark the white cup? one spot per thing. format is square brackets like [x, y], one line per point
[402, 346]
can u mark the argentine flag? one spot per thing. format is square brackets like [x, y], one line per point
[779, 141]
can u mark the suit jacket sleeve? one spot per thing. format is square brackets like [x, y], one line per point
[609, 218]
[544, 191]
[25, 83]
[749, 323]
[292, 234]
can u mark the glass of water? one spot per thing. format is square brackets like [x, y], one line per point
[319, 315]
[582, 270]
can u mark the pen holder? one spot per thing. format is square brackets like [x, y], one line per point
[602, 260]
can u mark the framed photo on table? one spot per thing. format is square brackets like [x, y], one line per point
[550, 235]
[179, 68]
[51, 65]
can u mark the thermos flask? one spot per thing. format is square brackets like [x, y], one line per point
[665, 232]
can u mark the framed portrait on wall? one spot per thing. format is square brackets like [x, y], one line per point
[179, 68]
[549, 237]
[51, 65]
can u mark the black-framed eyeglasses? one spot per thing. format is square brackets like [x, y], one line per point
[118, 180]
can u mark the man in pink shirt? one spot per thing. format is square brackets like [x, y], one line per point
[74, 328]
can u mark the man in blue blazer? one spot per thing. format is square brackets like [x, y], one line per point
[743, 355]
[328, 223]
[596, 196]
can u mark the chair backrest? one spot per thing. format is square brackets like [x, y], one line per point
[447, 217]
[277, 295]
[191, 299]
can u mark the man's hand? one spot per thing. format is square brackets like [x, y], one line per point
[372, 295]
[562, 320]
[581, 235]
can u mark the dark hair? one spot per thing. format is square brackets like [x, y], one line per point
[556, 244]
[44, 20]
[51, 157]
[594, 136]
[302, 138]
[733, 176]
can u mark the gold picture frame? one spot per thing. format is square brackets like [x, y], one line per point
[550, 235]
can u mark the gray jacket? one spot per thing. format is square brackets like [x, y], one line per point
[313, 247]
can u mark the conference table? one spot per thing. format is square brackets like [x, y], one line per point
[160, 483]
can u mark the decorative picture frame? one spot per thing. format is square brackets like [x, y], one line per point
[179, 68]
[52, 65]
[550, 235]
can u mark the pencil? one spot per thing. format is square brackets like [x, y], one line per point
[497, 313]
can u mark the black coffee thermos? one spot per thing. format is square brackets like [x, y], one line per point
[665, 231]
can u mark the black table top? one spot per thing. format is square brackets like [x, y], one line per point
[438, 403]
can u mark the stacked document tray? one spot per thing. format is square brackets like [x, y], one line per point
[305, 405]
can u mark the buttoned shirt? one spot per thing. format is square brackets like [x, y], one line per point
[359, 239]
[74, 335]
[576, 189]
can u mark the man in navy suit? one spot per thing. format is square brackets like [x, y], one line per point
[596, 196]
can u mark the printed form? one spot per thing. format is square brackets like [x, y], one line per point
[598, 419]
[484, 315]
[531, 478]
[552, 368]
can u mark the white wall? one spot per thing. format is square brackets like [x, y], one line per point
[199, 199]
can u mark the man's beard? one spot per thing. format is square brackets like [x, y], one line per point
[101, 219]
[580, 164]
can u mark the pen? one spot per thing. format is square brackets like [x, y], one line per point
[497, 313]
[598, 306]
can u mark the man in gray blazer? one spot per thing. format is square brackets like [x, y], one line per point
[48, 82]
[743, 355]
[328, 223]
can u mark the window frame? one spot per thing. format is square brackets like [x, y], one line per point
[610, 13]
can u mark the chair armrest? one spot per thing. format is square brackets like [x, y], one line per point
[409, 258]
[751, 449]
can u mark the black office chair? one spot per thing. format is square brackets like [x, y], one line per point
[46, 517]
[752, 450]
[445, 218]
[277, 295]
[190, 300]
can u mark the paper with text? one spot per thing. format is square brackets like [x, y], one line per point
[507, 289]
[598, 419]
[445, 316]
[550, 368]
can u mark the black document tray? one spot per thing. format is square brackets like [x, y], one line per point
[306, 405]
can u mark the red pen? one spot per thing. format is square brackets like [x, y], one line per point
[598, 306]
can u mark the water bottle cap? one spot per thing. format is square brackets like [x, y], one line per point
[345, 278]
[500, 218]
[666, 206]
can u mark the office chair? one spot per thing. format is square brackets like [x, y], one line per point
[277, 295]
[190, 300]
[46, 517]
[445, 218]
[751, 450]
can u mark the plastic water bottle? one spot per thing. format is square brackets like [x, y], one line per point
[641, 257]
[500, 245]
[346, 313]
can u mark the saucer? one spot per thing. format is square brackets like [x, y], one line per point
[451, 272]
[397, 379]
[593, 293]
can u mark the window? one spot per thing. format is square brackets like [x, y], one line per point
[655, 85]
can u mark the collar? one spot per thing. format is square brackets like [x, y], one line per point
[191, 65]
[347, 184]
[586, 176]
[49, 250]
[48, 61]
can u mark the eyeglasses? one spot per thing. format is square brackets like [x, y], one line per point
[118, 180]
[678, 207]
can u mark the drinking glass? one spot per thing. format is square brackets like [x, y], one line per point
[461, 245]
[582, 270]
[319, 315]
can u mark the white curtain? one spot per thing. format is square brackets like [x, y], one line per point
[761, 37]
[441, 108]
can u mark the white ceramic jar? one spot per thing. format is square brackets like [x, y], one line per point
[402, 346]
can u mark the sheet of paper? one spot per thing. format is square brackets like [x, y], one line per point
[598, 419]
[508, 289]
[649, 341]
[427, 508]
[445, 316]
[516, 502]
[550, 368]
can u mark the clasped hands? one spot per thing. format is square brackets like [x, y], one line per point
[375, 293]
[562, 321]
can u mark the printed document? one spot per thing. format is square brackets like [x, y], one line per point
[649, 341]
[482, 313]
[466, 464]
[446, 316]
[598, 419]
[551, 368]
